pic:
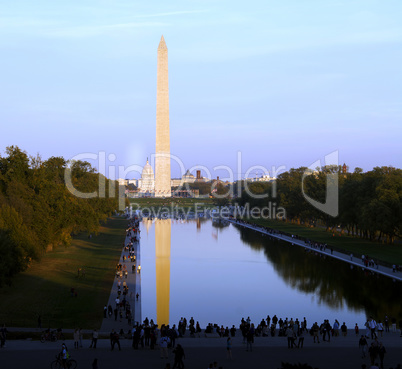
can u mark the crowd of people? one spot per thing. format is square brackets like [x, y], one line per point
[367, 261]
[149, 335]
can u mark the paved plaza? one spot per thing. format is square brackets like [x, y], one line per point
[268, 352]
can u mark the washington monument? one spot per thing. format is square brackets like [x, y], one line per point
[162, 150]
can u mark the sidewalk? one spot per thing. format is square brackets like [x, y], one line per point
[268, 352]
[133, 281]
[380, 269]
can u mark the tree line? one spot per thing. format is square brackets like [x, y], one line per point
[370, 203]
[38, 212]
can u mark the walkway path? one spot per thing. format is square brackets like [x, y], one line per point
[380, 269]
[268, 352]
[133, 281]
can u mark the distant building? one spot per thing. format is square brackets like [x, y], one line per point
[263, 178]
[122, 182]
[188, 177]
[176, 182]
[133, 182]
[147, 181]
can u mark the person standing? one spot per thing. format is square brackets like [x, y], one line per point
[178, 357]
[380, 328]
[290, 335]
[386, 323]
[3, 336]
[304, 325]
[163, 344]
[39, 322]
[357, 329]
[344, 329]
[315, 328]
[95, 364]
[250, 338]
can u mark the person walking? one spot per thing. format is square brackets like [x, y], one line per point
[95, 335]
[373, 326]
[114, 339]
[363, 346]
[76, 338]
[178, 357]
[80, 337]
[229, 348]
[381, 353]
[373, 352]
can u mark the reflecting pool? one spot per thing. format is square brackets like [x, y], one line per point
[219, 273]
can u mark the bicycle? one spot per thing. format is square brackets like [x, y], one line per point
[48, 336]
[58, 363]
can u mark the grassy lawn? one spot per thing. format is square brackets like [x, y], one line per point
[388, 254]
[44, 289]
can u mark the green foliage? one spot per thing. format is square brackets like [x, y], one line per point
[370, 204]
[38, 212]
[221, 195]
[204, 188]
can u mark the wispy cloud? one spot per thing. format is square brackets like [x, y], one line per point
[95, 30]
[167, 14]
[60, 27]
[63, 29]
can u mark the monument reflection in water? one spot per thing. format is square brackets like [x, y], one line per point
[220, 273]
[162, 268]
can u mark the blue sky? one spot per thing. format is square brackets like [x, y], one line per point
[284, 82]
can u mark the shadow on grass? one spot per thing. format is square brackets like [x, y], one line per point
[45, 288]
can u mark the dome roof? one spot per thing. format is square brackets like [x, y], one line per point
[147, 170]
[188, 174]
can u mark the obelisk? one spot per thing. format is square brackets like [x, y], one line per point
[162, 150]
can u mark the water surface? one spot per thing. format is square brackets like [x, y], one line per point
[220, 273]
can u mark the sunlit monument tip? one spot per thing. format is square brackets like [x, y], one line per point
[162, 150]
